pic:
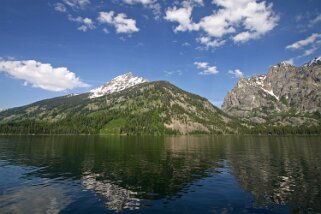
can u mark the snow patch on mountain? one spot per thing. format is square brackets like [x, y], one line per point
[315, 61]
[71, 95]
[270, 92]
[259, 82]
[117, 84]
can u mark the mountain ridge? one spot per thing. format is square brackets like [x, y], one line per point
[286, 95]
[146, 108]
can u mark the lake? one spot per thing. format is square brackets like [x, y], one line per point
[184, 174]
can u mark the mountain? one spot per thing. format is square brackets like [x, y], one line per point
[285, 96]
[125, 105]
[315, 61]
[117, 84]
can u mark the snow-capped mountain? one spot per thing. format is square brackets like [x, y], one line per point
[117, 84]
[3, 109]
[315, 61]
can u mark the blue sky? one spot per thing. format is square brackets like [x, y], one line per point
[51, 48]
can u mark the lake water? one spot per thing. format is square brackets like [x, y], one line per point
[196, 174]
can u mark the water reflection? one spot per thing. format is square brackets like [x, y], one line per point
[131, 173]
[117, 198]
[280, 170]
[25, 195]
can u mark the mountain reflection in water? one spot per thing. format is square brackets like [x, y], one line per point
[117, 198]
[156, 174]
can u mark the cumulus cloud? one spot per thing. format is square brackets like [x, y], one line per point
[120, 21]
[244, 37]
[206, 68]
[60, 7]
[210, 42]
[237, 73]
[77, 4]
[42, 75]
[183, 17]
[256, 18]
[85, 23]
[304, 42]
[244, 19]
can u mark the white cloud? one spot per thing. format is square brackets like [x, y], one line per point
[305, 42]
[246, 19]
[244, 37]
[60, 7]
[209, 42]
[192, 3]
[105, 30]
[41, 75]
[120, 21]
[315, 20]
[308, 45]
[237, 73]
[310, 51]
[85, 23]
[183, 17]
[124, 25]
[256, 18]
[157, 10]
[290, 61]
[77, 4]
[206, 68]
[106, 17]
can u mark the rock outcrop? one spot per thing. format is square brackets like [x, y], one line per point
[286, 95]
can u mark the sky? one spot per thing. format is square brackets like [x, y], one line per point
[52, 48]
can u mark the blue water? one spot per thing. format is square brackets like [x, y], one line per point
[196, 174]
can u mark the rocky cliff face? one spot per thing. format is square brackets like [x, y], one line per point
[286, 95]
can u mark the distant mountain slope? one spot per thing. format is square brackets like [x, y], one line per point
[146, 108]
[287, 95]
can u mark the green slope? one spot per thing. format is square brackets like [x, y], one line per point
[155, 108]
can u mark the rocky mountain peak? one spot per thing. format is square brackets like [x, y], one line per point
[284, 63]
[315, 61]
[280, 67]
[284, 89]
[117, 84]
